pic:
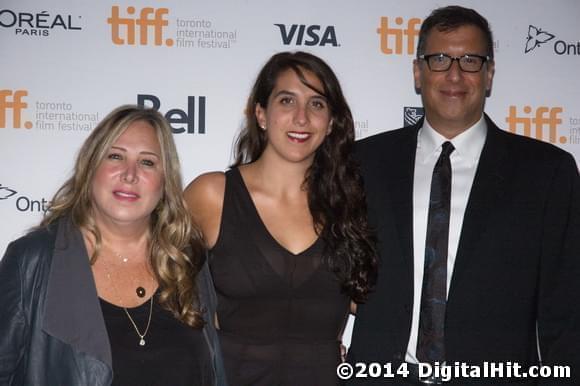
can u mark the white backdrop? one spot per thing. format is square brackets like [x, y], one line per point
[66, 64]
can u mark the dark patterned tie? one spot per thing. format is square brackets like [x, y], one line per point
[430, 340]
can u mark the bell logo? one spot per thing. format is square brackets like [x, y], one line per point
[124, 29]
[13, 101]
[543, 116]
[314, 35]
[177, 116]
[398, 35]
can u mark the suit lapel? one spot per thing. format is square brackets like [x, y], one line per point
[486, 191]
[401, 192]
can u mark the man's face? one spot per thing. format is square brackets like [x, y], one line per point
[453, 99]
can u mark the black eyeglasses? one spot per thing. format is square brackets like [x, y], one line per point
[442, 62]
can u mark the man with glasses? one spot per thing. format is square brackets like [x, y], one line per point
[478, 230]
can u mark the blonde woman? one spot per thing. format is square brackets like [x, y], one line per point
[112, 288]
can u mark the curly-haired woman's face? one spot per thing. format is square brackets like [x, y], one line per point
[297, 119]
[128, 183]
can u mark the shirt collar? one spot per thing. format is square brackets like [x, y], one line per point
[468, 144]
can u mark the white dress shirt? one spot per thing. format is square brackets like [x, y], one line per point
[464, 161]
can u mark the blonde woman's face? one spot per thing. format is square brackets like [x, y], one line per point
[128, 183]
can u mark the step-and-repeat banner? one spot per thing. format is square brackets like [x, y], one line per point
[66, 64]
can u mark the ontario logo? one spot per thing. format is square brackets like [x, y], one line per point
[125, 29]
[6, 192]
[22, 202]
[538, 37]
[412, 115]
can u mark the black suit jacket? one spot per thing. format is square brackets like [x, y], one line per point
[517, 268]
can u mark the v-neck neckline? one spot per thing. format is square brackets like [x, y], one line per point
[263, 225]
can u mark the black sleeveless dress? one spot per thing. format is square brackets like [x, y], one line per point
[280, 314]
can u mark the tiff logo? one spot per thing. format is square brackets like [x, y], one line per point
[13, 101]
[124, 29]
[542, 117]
[397, 35]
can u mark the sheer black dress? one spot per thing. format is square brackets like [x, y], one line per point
[280, 314]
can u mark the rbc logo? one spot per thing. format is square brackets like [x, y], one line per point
[399, 33]
[314, 35]
[177, 116]
[412, 115]
[543, 116]
[13, 101]
[140, 26]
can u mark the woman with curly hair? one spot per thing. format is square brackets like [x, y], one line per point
[286, 226]
[112, 288]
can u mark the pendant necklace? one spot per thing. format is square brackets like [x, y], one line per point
[140, 292]
[141, 335]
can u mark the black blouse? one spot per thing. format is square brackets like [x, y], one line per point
[174, 353]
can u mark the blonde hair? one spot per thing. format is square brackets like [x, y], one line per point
[175, 248]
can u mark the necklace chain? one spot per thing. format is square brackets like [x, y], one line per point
[141, 336]
[140, 291]
[124, 259]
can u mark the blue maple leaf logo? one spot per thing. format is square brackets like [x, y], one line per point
[6, 192]
[537, 37]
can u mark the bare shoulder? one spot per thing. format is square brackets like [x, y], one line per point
[204, 197]
[206, 187]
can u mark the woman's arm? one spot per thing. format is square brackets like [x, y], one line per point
[204, 197]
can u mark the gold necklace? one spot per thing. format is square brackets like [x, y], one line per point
[141, 336]
[123, 258]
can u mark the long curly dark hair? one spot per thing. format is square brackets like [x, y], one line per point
[335, 194]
